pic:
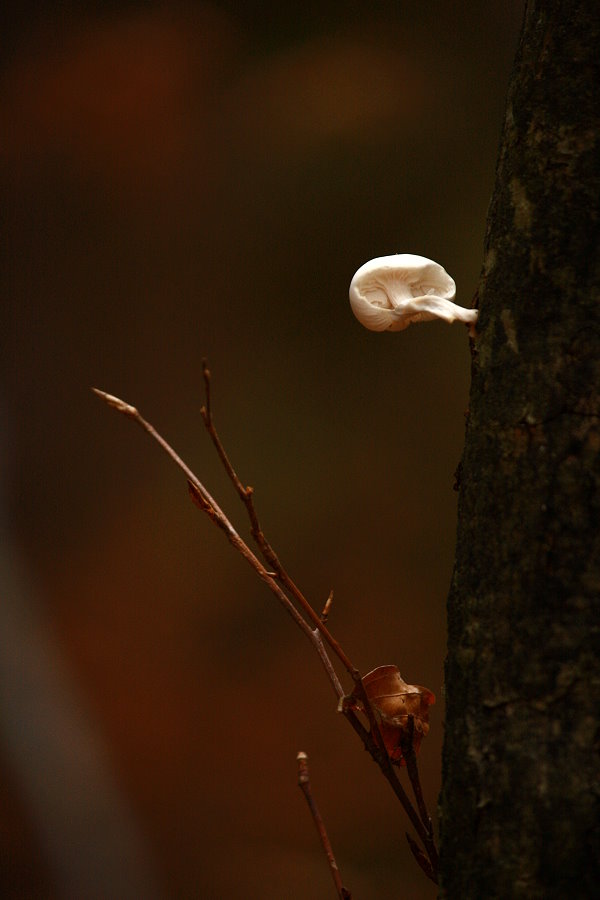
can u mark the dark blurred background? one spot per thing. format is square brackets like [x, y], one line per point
[202, 179]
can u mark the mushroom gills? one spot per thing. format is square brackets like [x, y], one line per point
[389, 293]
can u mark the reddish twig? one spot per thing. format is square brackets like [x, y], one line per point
[276, 581]
[410, 757]
[304, 785]
[205, 501]
[271, 558]
[421, 859]
[390, 773]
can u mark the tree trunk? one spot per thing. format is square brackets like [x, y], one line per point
[521, 783]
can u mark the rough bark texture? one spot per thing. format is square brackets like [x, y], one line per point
[521, 789]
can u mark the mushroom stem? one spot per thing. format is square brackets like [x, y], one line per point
[422, 309]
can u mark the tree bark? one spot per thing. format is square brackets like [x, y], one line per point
[521, 779]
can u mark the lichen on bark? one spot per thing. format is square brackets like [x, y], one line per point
[519, 808]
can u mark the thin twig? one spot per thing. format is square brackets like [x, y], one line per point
[206, 502]
[410, 758]
[390, 773]
[246, 495]
[372, 738]
[318, 637]
[421, 859]
[318, 641]
[304, 785]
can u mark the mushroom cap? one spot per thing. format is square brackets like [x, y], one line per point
[390, 292]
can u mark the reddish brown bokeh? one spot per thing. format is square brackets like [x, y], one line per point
[188, 179]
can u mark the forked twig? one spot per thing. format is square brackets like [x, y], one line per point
[269, 555]
[421, 859]
[247, 496]
[410, 757]
[304, 785]
[390, 773]
[278, 581]
[205, 501]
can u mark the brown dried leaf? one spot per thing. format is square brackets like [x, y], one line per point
[395, 702]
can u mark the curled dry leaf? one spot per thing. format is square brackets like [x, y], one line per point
[394, 703]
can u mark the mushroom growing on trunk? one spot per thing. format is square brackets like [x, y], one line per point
[389, 293]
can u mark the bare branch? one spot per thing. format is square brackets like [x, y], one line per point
[421, 859]
[389, 771]
[205, 501]
[246, 495]
[276, 579]
[304, 785]
[410, 757]
[320, 647]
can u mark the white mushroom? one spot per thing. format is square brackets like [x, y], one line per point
[390, 292]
